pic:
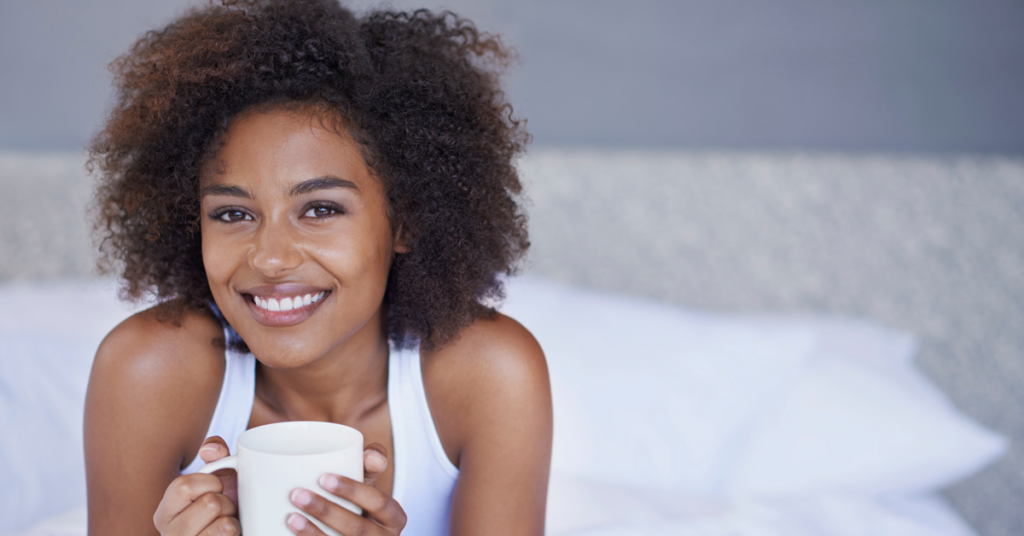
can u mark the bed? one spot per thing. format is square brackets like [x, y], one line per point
[832, 341]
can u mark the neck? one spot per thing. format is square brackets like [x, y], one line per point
[346, 385]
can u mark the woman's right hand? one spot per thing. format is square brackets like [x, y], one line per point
[201, 504]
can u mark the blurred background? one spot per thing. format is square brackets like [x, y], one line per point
[915, 75]
[848, 157]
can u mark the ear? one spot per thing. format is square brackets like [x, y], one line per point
[401, 244]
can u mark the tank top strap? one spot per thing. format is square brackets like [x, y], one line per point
[424, 476]
[234, 407]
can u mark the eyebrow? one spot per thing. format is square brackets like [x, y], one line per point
[220, 189]
[320, 183]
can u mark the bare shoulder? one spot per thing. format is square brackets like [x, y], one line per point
[152, 378]
[146, 351]
[490, 399]
[495, 353]
[493, 373]
[151, 395]
[146, 330]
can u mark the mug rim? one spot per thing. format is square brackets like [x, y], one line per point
[350, 436]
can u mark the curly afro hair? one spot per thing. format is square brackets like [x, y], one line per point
[418, 91]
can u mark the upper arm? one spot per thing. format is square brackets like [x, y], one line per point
[151, 395]
[492, 397]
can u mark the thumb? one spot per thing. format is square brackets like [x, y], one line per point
[213, 449]
[375, 461]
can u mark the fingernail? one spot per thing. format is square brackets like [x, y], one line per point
[297, 522]
[212, 446]
[377, 456]
[329, 481]
[301, 497]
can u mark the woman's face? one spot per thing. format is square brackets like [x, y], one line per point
[296, 239]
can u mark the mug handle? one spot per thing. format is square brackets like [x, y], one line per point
[230, 462]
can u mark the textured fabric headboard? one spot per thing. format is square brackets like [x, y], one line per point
[934, 246]
[43, 198]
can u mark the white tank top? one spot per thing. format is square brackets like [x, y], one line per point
[424, 477]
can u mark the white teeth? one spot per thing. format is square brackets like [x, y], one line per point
[287, 304]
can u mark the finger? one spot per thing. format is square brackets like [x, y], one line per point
[376, 504]
[375, 461]
[181, 493]
[203, 512]
[213, 449]
[223, 526]
[329, 513]
[302, 526]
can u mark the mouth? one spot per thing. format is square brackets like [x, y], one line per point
[277, 310]
[287, 304]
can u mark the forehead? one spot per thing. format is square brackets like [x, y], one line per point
[285, 146]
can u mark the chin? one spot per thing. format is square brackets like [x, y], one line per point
[275, 354]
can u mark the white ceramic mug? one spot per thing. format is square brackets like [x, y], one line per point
[274, 459]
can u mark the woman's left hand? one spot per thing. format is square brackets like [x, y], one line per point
[381, 514]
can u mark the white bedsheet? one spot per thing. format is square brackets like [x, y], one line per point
[667, 421]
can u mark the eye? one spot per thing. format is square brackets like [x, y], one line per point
[231, 215]
[323, 210]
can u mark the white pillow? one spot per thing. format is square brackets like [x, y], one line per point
[722, 405]
[42, 386]
[49, 337]
[846, 428]
[585, 508]
[647, 396]
[651, 395]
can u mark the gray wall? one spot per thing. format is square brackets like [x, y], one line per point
[851, 75]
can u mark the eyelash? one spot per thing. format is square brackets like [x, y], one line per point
[317, 205]
[219, 214]
[334, 209]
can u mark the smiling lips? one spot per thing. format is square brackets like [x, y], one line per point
[283, 311]
[287, 304]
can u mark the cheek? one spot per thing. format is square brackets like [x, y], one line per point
[217, 260]
[351, 258]
[359, 261]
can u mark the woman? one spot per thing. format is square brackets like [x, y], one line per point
[322, 205]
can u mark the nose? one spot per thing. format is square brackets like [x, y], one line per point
[275, 252]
